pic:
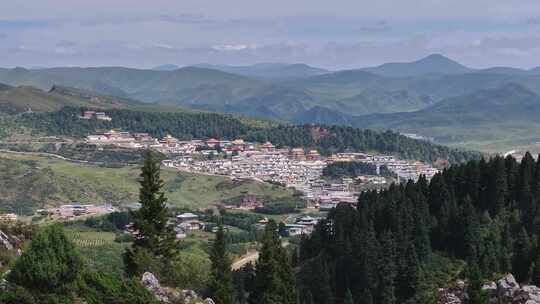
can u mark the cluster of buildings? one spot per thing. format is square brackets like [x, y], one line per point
[71, 211]
[403, 169]
[97, 115]
[303, 226]
[295, 168]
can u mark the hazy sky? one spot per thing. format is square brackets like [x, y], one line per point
[332, 34]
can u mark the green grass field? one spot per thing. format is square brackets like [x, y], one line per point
[41, 181]
[98, 248]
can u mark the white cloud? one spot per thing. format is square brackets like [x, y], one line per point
[234, 47]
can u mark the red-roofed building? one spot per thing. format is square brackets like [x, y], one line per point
[212, 142]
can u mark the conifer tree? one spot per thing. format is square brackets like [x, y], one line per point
[51, 263]
[499, 191]
[308, 298]
[408, 275]
[348, 297]
[155, 238]
[507, 247]
[476, 294]
[522, 257]
[536, 271]
[366, 297]
[221, 288]
[274, 280]
[387, 269]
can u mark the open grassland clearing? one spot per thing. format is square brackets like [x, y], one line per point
[32, 182]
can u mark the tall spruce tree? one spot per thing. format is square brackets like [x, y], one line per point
[387, 269]
[348, 297]
[536, 270]
[476, 294]
[221, 288]
[522, 257]
[274, 280]
[155, 240]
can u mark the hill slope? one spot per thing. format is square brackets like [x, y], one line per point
[23, 98]
[34, 182]
[491, 114]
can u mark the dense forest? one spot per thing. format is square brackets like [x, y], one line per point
[393, 246]
[189, 125]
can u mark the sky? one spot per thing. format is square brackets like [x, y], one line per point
[339, 34]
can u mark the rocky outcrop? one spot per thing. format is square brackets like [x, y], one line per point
[505, 291]
[5, 241]
[171, 295]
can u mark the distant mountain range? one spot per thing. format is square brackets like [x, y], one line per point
[490, 114]
[280, 71]
[432, 64]
[415, 91]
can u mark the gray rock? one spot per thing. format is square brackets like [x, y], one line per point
[507, 287]
[149, 280]
[528, 294]
[171, 295]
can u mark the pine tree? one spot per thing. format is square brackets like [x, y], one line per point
[348, 297]
[155, 238]
[476, 294]
[536, 271]
[471, 234]
[522, 257]
[499, 190]
[50, 264]
[221, 288]
[507, 247]
[366, 297]
[408, 275]
[308, 298]
[387, 269]
[274, 280]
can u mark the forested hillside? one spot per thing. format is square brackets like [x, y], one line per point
[414, 92]
[186, 125]
[401, 244]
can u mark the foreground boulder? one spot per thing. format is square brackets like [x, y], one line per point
[171, 295]
[505, 291]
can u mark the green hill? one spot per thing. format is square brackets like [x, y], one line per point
[186, 125]
[23, 98]
[508, 115]
[147, 85]
[31, 182]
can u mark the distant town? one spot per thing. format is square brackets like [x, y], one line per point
[293, 167]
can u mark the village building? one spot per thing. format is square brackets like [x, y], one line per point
[168, 140]
[268, 147]
[297, 154]
[212, 142]
[313, 155]
[102, 116]
[88, 114]
[8, 217]
[188, 222]
[238, 145]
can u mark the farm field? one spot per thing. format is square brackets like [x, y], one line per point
[98, 248]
